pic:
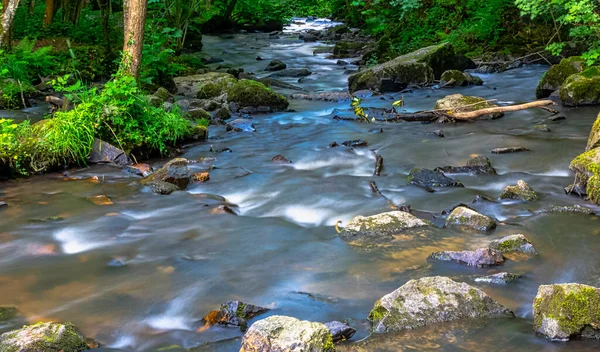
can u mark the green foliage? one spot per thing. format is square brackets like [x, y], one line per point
[14, 141]
[581, 17]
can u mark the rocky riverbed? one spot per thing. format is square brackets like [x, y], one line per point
[139, 271]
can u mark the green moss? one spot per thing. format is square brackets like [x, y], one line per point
[557, 74]
[582, 88]
[458, 77]
[8, 313]
[247, 93]
[240, 310]
[377, 313]
[594, 137]
[328, 346]
[573, 307]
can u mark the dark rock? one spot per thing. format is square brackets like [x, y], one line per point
[500, 278]
[355, 143]
[233, 313]
[276, 65]
[467, 217]
[557, 118]
[258, 58]
[481, 257]
[333, 144]
[161, 187]
[340, 331]
[207, 60]
[576, 189]
[175, 172]
[241, 125]
[222, 113]
[342, 63]
[479, 165]
[439, 133]
[164, 95]
[508, 150]
[103, 152]
[430, 179]
[323, 96]
[143, 170]
[280, 159]
[220, 150]
[292, 72]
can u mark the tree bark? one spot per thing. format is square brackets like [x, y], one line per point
[229, 10]
[8, 15]
[104, 11]
[134, 19]
[49, 12]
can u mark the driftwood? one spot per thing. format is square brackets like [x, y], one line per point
[378, 164]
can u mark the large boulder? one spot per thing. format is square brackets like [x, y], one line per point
[481, 257]
[43, 337]
[247, 93]
[563, 311]
[557, 74]
[416, 68]
[513, 243]
[103, 152]
[203, 86]
[276, 65]
[463, 216]
[380, 226]
[456, 78]
[521, 191]
[582, 88]
[587, 168]
[461, 103]
[432, 300]
[280, 333]
[430, 179]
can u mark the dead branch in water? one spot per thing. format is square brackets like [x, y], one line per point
[378, 164]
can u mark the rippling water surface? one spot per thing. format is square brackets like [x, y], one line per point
[139, 274]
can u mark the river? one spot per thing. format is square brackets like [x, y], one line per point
[140, 273]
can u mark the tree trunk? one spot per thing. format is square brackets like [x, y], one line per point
[103, 4]
[229, 10]
[134, 18]
[49, 12]
[9, 10]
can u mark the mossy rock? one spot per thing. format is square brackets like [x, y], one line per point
[587, 168]
[343, 50]
[44, 337]
[582, 88]
[197, 114]
[8, 313]
[513, 243]
[456, 75]
[164, 95]
[564, 311]
[234, 313]
[521, 191]
[465, 217]
[247, 93]
[594, 138]
[432, 300]
[464, 103]
[557, 74]
[204, 86]
[418, 68]
[380, 226]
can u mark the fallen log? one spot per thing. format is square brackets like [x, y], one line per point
[378, 164]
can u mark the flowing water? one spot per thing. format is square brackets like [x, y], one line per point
[139, 274]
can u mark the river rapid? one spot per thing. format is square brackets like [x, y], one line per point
[139, 274]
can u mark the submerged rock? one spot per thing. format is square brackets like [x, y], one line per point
[461, 103]
[143, 170]
[541, 127]
[356, 143]
[432, 300]
[582, 88]
[340, 331]
[508, 150]
[280, 333]
[500, 278]
[513, 243]
[175, 172]
[241, 125]
[280, 159]
[44, 337]
[416, 68]
[521, 191]
[481, 257]
[430, 179]
[565, 209]
[383, 225]
[479, 165]
[463, 216]
[564, 311]
[103, 152]
[161, 187]
[323, 96]
[276, 65]
[234, 313]
[556, 75]
[292, 72]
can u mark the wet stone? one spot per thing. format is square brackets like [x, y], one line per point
[500, 278]
[565, 209]
[276, 65]
[521, 191]
[233, 313]
[380, 226]
[103, 152]
[430, 179]
[143, 170]
[479, 165]
[44, 337]
[200, 177]
[482, 257]
[340, 331]
[541, 128]
[463, 216]
[355, 143]
[513, 243]
[280, 159]
[241, 125]
[508, 150]
[164, 188]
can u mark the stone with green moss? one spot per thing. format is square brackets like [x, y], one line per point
[164, 95]
[513, 243]
[234, 313]
[8, 313]
[455, 76]
[204, 86]
[461, 103]
[381, 226]
[197, 114]
[582, 88]
[481, 257]
[44, 337]
[557, 74]
[466, 217]
[248, 93]
[175, 172]
[521, 191]
[594, 138]
[500, 278]
[416, 68]
[281, 333]
[587, 168]
[432, 300]
[564, 311]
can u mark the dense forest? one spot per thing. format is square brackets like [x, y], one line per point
[163, 163]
